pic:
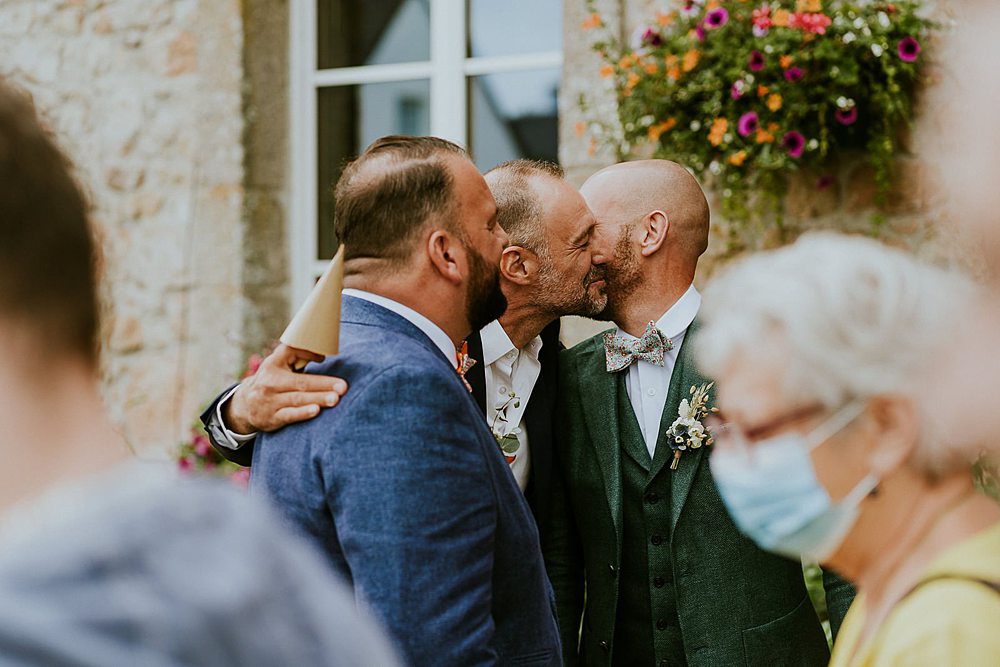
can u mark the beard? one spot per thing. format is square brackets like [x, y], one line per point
[484, 301]
[569, 297]
[623, 275]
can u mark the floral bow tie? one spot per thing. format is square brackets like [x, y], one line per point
[621, 351]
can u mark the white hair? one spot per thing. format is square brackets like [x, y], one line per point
[855, 319]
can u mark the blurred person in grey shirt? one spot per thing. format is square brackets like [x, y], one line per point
[103, 560]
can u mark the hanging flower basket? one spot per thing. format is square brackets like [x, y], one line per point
[745, 93]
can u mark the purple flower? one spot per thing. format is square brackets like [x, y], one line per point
[700, 32]
[756, 63]
[651, 38]
[794, 143]
[736, 90]
[716, 18]
[794, 74]
[908, 49]
[748, 124]
[846, 116]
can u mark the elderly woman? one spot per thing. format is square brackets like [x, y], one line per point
[825, 451]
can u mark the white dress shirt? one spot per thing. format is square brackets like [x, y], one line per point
[646, 383]
[440, 339]
[510, 371]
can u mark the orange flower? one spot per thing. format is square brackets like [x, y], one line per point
[762, 91]
[764, 137]
[651, 67]
[592, 21]
[674, 73]
[592, 146]
[655, 131]
[780, 18]
[711, 4]
[737, 159]
[774, 101]
[626, 61]
[580, 127]
[809, 6]
[691, 59]
[786, 62]
[718, 130]
[772, 127]
[664, 19]
[606, 71]
[633, 81]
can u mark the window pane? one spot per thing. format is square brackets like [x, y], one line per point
[350, 118]
[504, 27]
[372, 32]
[513, 115]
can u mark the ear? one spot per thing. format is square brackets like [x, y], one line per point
[897, 427]
[654, 232]
[519, 265]
[447, 256]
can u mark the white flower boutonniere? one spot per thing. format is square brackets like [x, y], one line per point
[687, 431]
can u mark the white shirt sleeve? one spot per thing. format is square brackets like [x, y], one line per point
[232, 439]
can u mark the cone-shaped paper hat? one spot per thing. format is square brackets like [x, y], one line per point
[316, 327]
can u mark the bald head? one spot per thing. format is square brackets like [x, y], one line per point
[628, 191]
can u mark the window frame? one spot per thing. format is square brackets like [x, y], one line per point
[448, 71]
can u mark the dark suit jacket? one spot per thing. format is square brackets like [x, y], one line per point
[538, 417]
[405, 489]
[737, 604]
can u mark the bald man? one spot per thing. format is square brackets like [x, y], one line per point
[641, 550]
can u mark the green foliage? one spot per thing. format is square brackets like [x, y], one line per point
[744, 93]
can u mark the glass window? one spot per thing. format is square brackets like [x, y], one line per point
[350, 118]
[513, 115]
[507, 27]
[372, 32]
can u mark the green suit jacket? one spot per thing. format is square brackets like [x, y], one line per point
[737, 604]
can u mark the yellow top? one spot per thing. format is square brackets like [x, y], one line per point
[945, 622]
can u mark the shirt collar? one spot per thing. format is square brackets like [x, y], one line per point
[437, 335]
[679, 316]
[496, 343]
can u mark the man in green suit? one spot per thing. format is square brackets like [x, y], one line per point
[647, 566]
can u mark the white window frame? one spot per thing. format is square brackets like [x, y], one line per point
[447, 71]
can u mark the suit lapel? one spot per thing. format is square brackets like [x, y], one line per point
[598, 395]
[685, 376]
[476, 376]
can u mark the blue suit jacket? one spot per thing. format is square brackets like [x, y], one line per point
[405, 488]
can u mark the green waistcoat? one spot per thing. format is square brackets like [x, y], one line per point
[647, 631]
[725, 601]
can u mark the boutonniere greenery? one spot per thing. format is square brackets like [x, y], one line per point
[688, 431]
[506, 437]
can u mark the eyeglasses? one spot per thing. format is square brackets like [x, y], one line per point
[729, 434]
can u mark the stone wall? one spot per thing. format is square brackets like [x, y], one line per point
[917, 213]
[146, 96]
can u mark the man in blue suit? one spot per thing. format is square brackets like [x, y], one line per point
[405, 488]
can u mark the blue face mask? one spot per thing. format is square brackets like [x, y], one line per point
[774, 497]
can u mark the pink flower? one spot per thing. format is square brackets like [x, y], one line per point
[253, 364]
[716, 18]
[846, 116]
[748, 124]
[700, 32]
[908, 49]
[201, 446]
[184, 464]
[756, 62]
[762, 20]
[794, 74]
[815, 23]
[736, 90]
[794, 143]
